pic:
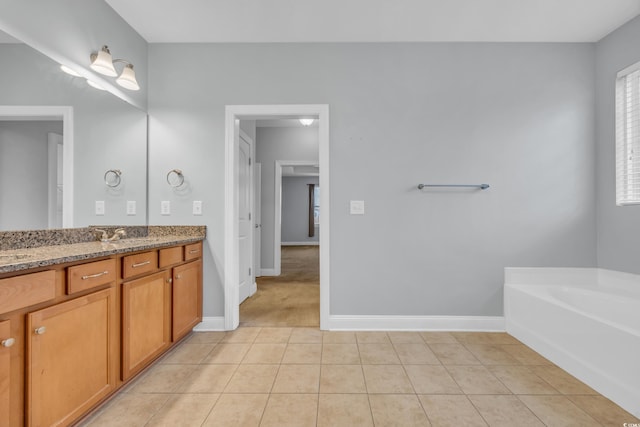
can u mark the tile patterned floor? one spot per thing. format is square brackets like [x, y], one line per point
[305, 377]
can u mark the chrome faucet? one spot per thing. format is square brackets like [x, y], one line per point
[104, 236]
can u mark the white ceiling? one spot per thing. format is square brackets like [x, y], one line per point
[167, 21]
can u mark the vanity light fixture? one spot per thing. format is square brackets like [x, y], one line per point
[69, 71]
[95, 85]
[103, 63]
[306, 122]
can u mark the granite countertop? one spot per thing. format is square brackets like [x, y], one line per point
[26, 258]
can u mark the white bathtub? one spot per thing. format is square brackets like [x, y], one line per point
[585, 320]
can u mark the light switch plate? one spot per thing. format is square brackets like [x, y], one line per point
[197, 207]
[131, 207]
[165, 207]
[99, 207]
[356, 207]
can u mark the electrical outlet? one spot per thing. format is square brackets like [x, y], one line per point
[131, 207]
[99, 207]
[197, 207]
[165, 207]
[357, 207]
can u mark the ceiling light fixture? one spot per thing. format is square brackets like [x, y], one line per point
[103, 63]
[306, 122]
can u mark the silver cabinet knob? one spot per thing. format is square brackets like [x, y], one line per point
[8, 342]
[169, 280]
[41, 330]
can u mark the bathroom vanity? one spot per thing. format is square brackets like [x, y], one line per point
[78, 321]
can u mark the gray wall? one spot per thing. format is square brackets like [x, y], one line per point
[24, 191]
[517, 116]
[618, 226]
[108, 133]
[295, 209]
[279, 143]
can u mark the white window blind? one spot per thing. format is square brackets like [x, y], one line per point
[628, 136]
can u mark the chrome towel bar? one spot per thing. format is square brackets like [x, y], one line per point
[480, 186]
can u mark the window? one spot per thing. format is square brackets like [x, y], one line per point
[628, 136]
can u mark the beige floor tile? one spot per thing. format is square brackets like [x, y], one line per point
[431, 379]
[274, 335]
[227, 353]
[561, 380]
[397, 410]
[237, 410]
[558, 411]
[386, 379]
[242, 335]
[163, 379]
[405, 337]
[520, 380]
[416, 354]
[476, 380]
[252, 379]
[338, 337]
[344, 410]
[505, 411]
[265, 353]
[485, 338]
[453, 354]
[303, 353]
[340, 354]
[184, 410]
[489, 354]
[209, 379]
[306, 336]
[211, 337]
[604, 410]
[524, 354]
[297, 379]
[342, 379]
[372, 337]
[294, 410]
[188, 353]
[378, 354]
[451, 411]
[128, 410]
[438, 338]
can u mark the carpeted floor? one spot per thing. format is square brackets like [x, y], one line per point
[291, 299]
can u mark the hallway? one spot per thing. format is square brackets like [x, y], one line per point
[291, 299]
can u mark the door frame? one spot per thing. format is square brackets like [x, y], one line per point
[48, 112]
[277, 241]
[233, 114]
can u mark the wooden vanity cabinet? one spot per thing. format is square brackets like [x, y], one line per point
[187, 298]
[6, 342]
[146, 321]
[70, 359]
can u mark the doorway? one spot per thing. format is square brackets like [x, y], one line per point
[233, 115]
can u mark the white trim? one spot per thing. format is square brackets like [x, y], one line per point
[310, 243]
[38, 112]
[215, 323]
[277, 227]
[417, 323]
[268, 272]
[254, 112]
[630, 69]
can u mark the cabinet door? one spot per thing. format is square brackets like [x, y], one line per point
[146, 321]
[187, 298]
[70, 361]
[6, 341]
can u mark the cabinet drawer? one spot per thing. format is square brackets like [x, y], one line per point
[134, 265]
[87, 276]
[193, 251]
[28, 289]
[170, 256]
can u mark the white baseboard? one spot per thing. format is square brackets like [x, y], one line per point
[210, 324]
[417, 323]
[268, 272]
[311, 243]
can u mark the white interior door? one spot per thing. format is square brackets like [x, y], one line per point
[245, 225]
[55, 188]
[257, 219]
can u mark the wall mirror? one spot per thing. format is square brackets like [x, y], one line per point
[45, 183]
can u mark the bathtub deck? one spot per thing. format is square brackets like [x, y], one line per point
[303, 376]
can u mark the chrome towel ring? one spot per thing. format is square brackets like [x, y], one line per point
[175, 178]
[113, 177]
